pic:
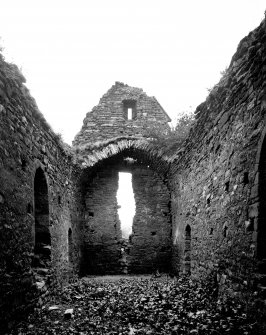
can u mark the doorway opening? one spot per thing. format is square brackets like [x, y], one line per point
[42, 239]
[126, 203]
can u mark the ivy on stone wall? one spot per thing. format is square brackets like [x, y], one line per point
[171, 138]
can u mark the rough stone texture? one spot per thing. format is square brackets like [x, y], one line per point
[109, 120]
[149, 246]
[26, 144]
[102, 232]
[150, 243]
[108, 133]
[216, 182]
[215, 176]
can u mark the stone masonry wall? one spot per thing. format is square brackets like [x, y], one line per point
[26, 144]
[149, 246]
[215, 179]
[108, 120]
[217, 183]
[102, 232]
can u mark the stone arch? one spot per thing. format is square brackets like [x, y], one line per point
[42, 237]
[99, 184]
[149, 152]
[187, 250]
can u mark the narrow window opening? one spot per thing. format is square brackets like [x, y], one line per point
[245, 179]
[129, 109]
[226, 185]
[129, 113]
[188, 232]
[23, 164]
[211, 231]
[59, 200]
[29, 209]
[42, 245]
[225, 231]
[70, 246]
[126, 203]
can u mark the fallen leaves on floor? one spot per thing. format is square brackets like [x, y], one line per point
[134, 306]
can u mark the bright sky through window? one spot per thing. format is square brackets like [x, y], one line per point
[125, 199]
[129, 113]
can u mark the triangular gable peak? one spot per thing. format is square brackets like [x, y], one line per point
[122, 111]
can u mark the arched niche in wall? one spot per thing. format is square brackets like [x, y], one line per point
[70, 246]
[187, 250]
[42, 238]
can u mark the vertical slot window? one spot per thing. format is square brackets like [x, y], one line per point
[129, 113]
[129, 109]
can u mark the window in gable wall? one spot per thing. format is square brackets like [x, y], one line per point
[129, 109]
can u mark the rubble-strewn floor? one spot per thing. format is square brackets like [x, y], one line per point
[139, 305]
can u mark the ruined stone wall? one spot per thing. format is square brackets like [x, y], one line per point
[27, 143]
[149, 246]
[217, 182]
[102, 232]
[109, 131]
[215, 175]
[108, 120]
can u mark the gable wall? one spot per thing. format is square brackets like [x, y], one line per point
[107, 120]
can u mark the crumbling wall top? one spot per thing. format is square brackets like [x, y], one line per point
[122, 111]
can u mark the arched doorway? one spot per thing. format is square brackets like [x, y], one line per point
[42, 238]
